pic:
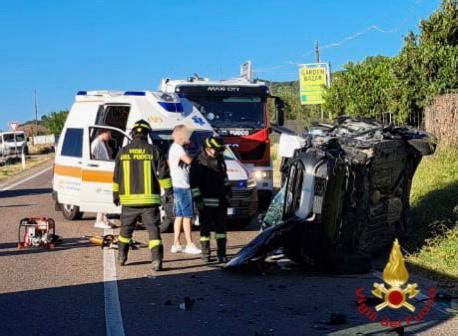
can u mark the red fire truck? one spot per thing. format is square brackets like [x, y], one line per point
[238, 110]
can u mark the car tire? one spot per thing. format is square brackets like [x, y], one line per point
[71, 212]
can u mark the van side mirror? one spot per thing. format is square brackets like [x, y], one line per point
[279, 111]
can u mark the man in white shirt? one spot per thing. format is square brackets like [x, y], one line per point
[100, 151]
[179, 163]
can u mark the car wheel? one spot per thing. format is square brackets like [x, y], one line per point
[71, 212]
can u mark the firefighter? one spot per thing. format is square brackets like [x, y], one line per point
[140, 171]
[211, 191]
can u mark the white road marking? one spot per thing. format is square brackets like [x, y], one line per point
[113, 315]
[11, 186]
[420, 296]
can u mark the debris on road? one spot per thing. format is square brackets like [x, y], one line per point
[111, 241]
[187, 304]
[345, 197]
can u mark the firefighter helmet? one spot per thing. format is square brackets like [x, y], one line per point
[215, 143]
[141, 127]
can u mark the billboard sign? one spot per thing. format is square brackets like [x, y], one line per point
[312, 81]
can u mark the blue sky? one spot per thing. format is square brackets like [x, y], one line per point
[60, 47]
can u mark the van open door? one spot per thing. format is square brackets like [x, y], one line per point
[98, 166]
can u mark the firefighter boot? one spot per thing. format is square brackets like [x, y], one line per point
[123, 251]
[221, 250]
[205, 247]
[157, 255]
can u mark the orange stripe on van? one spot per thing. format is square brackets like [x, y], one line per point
[97, 176]
[67, 171]
[85, 175]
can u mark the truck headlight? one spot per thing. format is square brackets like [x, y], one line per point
[260, 175]
[251, 183]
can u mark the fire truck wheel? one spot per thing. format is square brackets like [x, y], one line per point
[71, 212]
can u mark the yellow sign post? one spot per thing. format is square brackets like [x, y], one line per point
[312, 80]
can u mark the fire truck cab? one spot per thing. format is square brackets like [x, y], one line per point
[238, 110]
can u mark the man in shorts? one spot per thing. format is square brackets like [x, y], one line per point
[179, 163]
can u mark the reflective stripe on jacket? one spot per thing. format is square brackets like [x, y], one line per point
[140, 172]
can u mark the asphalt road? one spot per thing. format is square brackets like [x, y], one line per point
[62, 291]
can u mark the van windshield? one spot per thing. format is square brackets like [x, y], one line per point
[163, 139]
[9, 137]
[20, 137]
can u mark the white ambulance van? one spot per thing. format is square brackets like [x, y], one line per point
[82, 183]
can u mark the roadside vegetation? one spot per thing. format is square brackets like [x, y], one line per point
[10, 169]
[390, 89]
[434, 204]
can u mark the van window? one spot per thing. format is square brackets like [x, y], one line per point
[105, 143]
[73, 143]
[20, 137]
[9, 137]
[114, 116]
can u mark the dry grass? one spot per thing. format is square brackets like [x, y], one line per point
[11, 169]
[40, 149]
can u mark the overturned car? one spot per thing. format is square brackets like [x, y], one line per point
[345, 196]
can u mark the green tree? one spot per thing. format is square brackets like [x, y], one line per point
[426, 66]
[55, 121]
[362, 89]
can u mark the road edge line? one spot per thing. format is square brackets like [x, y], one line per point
[15, 184]
[113, 316]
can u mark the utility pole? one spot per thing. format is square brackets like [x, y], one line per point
[317, 52]
[36, 113]
[317, 55]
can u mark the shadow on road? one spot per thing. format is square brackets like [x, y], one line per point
[24, 192]
[66, 244]
[15, 205]
[238, 304]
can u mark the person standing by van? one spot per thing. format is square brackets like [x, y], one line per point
[100, 151]
[179, 163]
[140, 172]
[211, 190]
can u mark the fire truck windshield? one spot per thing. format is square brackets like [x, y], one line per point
[163, 139]
[232, 112]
